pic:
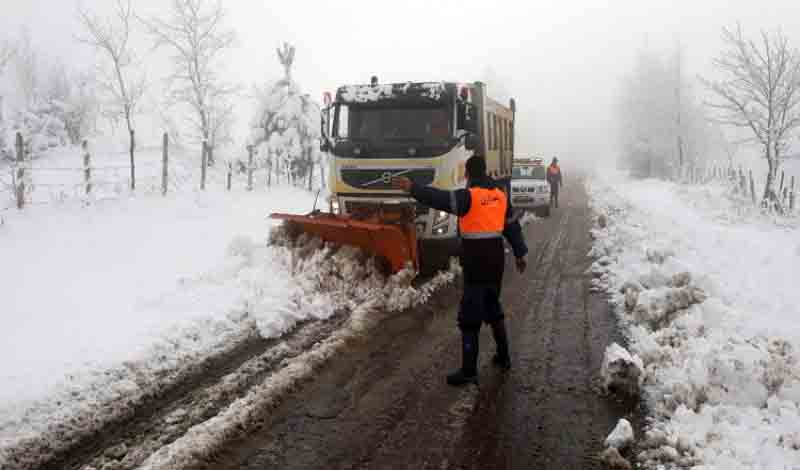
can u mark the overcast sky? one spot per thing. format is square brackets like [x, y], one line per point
[562, 60]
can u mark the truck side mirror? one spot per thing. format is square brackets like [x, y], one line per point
[324, 145]
[467, 118]
[471, 142]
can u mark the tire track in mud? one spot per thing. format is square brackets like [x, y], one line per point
[126, 444]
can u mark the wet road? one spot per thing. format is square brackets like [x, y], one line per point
[383, 403]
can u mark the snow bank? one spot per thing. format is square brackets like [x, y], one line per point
[103, 308]
[706, 292]
[621, 371]
[622, 435]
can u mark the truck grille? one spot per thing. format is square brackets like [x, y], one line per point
[366, 208]
[381, 178]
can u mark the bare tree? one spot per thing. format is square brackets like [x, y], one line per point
[7, 52]
[197, 36]
[111, 37]
[760, 91]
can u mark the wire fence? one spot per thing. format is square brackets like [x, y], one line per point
[79, 175]
[786, 187]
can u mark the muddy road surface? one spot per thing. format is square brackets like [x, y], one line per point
[383, 403]
[330, 395]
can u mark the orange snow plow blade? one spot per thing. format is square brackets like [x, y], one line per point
[391, 237]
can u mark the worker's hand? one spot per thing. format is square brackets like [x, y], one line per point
[522, 264]
[402, 183]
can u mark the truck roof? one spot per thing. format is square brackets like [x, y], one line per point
[419, 92]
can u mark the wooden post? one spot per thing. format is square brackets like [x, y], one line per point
[20, 146]
[250, 167]
[87, 167]
[311, 176]
[133, 162]
[752, 188]
[322, 182]
[742, 182]
[230, 175]
[203, 165]
[269, 168]
[164, 164]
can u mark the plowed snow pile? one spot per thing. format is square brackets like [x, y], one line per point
[707, 292]
[255, 290]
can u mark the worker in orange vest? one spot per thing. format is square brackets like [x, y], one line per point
[485, 218]
[554, 178]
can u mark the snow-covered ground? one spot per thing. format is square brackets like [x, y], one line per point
[99, 300]
[706, 288]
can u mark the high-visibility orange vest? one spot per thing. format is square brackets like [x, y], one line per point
[487, 214]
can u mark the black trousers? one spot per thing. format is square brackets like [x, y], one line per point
[480, 303]
[554, 194]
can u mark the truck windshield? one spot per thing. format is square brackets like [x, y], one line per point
[528, 172]
[383, 126]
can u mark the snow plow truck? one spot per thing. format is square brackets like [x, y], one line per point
[424, 131]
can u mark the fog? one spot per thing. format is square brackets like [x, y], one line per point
[561, 60]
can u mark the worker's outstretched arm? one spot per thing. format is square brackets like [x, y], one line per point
[453, 202]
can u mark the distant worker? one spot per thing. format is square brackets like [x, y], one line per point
[554, 178]
[484, 219]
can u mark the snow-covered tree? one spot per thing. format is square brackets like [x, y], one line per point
[197, 36]
[41, 127]
[7, 51]
[72, 97]
[759, 90]
[118, 74]
[286, 127]
[663, 129]
[26, 67]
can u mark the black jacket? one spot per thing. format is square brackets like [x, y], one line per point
[482, 260]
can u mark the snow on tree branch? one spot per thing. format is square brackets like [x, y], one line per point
[118, 78]
[759, 90]
[198, 38]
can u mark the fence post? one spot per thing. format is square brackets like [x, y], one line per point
[742, 182]
[87, 167]
[164, 164]
[269, 168]
[230, 174]
[203, 165]
[20, 146]
[752, 188]
[249, 167]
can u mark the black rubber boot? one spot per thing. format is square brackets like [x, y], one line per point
[502, 358]
[468, 374]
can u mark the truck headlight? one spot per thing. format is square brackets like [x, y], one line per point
[439, 217]
[334, 206]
